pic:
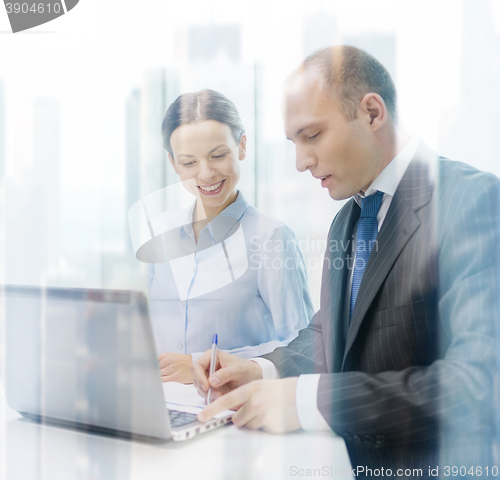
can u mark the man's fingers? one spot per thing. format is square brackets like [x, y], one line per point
[216, 394]
[199, 370]
[199, 376]
[201, 393]
[246, 416]
[230, 401]
[204, 360]
[256, 422]
[223, 376]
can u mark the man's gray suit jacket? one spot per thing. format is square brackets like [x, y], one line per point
[411, 385]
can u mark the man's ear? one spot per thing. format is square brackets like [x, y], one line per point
[373, 107]
[243, 147]
[172, 162]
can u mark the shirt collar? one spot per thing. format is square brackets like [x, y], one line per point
[235, 210]
[389, 178]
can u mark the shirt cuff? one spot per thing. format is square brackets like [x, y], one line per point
[306, 399]
[269, 371]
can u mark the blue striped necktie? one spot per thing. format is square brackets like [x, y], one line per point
[366, 237]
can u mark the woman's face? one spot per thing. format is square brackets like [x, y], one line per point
[207, 154]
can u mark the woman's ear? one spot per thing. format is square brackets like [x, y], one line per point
[172, 162]
[243, 147]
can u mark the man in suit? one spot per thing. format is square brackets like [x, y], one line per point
[401, 357]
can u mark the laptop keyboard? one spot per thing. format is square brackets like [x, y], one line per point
[177, 419]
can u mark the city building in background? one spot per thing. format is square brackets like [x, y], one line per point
[3, 159]
[3, 133]
[83, 144]
[470, 131]
[32, 203]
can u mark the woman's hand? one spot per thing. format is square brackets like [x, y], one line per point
[174, 367]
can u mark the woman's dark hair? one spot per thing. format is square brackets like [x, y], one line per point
[199, 106]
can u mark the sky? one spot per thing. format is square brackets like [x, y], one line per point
[91, 57]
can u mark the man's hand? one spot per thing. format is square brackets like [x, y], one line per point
[231, 372]
[174, 367]
[266, 404]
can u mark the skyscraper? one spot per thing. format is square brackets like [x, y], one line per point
[3, 135]
[2, 192]
[146, 160]
[153, 156]
[133, 148]
[470, 133]
[206, 43]
[320, 31]
[47, 156]
[32, 204]
[215, 62]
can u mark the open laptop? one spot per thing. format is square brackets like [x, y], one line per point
[86, 359]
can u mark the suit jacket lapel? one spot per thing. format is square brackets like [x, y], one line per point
[414, 191]
[335, 276]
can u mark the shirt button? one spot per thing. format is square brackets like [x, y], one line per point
[183, 303]
[181, 346]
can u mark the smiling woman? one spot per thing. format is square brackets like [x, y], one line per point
[210, 285]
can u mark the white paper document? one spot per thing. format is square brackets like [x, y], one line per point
[181, 394]
[185, 398]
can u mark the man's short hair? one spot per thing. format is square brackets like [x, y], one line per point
[351, 73]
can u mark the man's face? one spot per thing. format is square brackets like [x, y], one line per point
[337, 152]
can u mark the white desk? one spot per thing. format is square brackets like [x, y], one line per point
[29, 451]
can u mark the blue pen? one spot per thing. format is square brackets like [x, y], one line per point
[213, 361]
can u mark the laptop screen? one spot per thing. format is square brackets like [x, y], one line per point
[82, 355]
